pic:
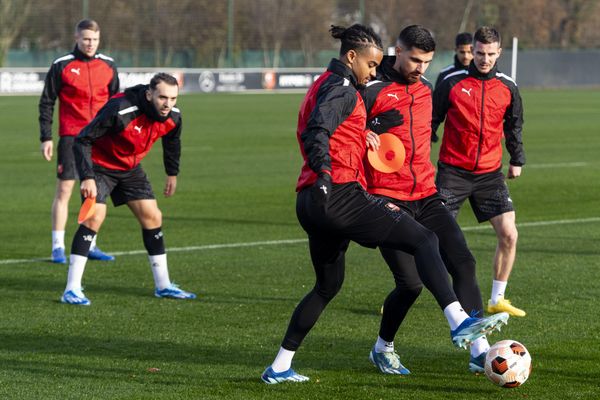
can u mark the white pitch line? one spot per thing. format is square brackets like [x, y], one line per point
[559, 165]
[296, 241]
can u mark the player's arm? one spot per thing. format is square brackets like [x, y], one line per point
[113, 86]
[378, 121]
[106, 121]
[48, 98]
[513, 133]
[332, 108]
[440, 107]
[171, 144]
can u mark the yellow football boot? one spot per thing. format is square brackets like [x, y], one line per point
[503, 305]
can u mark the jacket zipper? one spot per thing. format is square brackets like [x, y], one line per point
[412, 140]
[480, 143]
[87, 64]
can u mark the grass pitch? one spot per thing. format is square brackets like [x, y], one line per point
[239, 167]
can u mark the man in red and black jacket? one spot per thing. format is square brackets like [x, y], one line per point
[402, 88]
[82, 81]
[482, 106]
[108, 152]
[334, 208]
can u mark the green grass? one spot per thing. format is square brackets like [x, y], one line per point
[239, 168]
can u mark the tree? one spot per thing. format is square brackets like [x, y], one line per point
[13, 13]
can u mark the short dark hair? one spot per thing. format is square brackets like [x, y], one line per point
[87, 25]
[487, 35]
[417, 36]
[356, 37]
[463, 38]
[163, 77]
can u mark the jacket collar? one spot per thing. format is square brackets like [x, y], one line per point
[339, 68]
[386, 71]
[137, 95]
[80, 56]
[458, 65]
[474, 72]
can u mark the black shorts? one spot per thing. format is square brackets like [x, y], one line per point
[487, 193]
[352, 214]
[66, 169]
[122, 186]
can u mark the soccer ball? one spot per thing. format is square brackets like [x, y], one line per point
[508, 364]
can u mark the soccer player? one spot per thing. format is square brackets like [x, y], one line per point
[402, 87]
[83, 81]
[463, 54]
[334, 208]
[481, 106]
[108, 152]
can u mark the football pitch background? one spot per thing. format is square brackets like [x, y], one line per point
[233, 238]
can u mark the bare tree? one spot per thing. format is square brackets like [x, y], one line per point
[13, 14]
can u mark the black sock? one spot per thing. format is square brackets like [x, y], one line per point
[153, 241]
[82, 241]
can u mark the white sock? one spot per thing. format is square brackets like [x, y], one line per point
[283, 361]
[381, 346]
[498, 289]
[455, 314]
[479, 346]
[58, 239]
[76, 268]
[93, 245]
[160, 271]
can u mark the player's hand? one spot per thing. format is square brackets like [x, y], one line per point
[373, 140]
[170, 186]
[321, 190]
[383, 122]
[514, 171]
[46, 148]
[88, 188]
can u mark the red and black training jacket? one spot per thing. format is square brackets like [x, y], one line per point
[480, 109]
[331, 128]
[416, 179]
[449, 69]
[123, 132]
[82, 85]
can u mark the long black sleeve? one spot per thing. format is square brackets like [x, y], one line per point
[52, 86]
[113, 86]
[334, 105]
[440, 105]
[513, 128]
[106, 121]
[171, 144]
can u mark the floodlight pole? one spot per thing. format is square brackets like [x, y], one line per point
[513, 69]
[230, 27]
[85, 5]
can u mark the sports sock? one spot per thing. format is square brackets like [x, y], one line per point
[283, 360]
[93, 245]
[154, 241]
[158, 265]
[455, 314]
[498, 289]
[480, 345]
[58, 239]
[76, 268]
[381, 346]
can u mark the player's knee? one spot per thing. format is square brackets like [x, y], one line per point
[153, 218]
[328, 290]
[410, 292]
[94, 222]
[509, 237]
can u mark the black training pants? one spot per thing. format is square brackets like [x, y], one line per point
[353, 214]
[432, 214]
